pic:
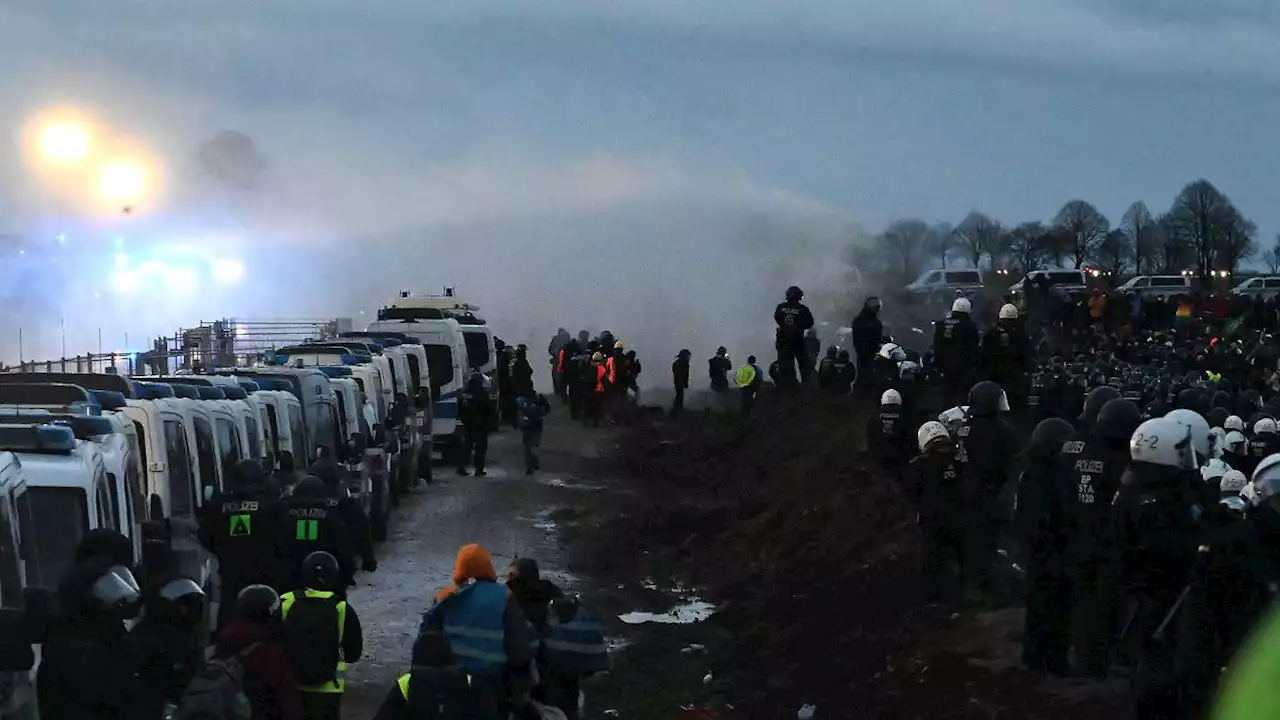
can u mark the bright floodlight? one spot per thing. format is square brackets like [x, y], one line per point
[120, 181]
[65, 144]
[125, 281]
[227, 271]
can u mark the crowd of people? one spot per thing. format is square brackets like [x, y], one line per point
[1144, 503]
[126, 642]
[595, 377]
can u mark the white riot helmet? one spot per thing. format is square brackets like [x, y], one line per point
[1201, 441]
[892, 351]
[930, 433]
[1008, 312]
[1163, 441]
[1235, 442]
[1232, 483]
[1218, 437]
[891, 397]
[1235, 503]
[954, 416]
[962, 305]
[1233, 422]
[908, 369]
[1264, 426]
[1214, 470]
[1266, 478]
[117, 590]
[1249, 493]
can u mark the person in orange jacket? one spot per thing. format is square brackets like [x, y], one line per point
[487, 632]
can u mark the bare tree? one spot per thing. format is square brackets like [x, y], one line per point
[1202, 218]
[976, 236]
[1028, 246]
[1172, 255]
[1113, 252]
[1236, 242]
[1084, 225]
[906, 246]
[940, 242]
[1140, 229]
[1273, 257]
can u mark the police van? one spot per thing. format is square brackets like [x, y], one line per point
[318, 406]
[67, 494]
[225, 392]
[446, 350]
[280, 414]
[18, 568]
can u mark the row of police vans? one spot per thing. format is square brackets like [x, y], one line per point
[144, 455]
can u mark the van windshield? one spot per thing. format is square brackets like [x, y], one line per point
[440, 365]
[62, 515]
[477, 349]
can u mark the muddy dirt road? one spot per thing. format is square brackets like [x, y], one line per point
[507, 512]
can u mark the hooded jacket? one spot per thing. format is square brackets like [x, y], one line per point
[867, 331]
[268, 680]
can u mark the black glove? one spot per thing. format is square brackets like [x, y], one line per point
[370, 565]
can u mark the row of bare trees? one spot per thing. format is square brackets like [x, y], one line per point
[1202, 231]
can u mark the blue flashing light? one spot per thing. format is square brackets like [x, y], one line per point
[208, 392]
[391, 342]
[274, 384]
[59, 439]
[277, 360]
[349, 359]
[189, 392]
[234, 392]
[335, 371]
[249, 386]
[84, 427]
[155, 391]
[109, 400]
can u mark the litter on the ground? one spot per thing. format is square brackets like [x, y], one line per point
[691, 612]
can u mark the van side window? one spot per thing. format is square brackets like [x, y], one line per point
[298, 430]
[415, 373]
[178, 459]
[273, 430]
[10, 560]
[138, 481]
[103, 498]
[206, 454]
[27, 538]
[255, 441]
[113, 499]
[228, 444]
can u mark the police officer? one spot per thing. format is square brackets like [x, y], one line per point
[985, 446]
[932, 482]
[955, 345]
[827, 370]
[844, 373]
[312, 524]
[1006, 353]
[1234, 583]
[350, 511]
[242, 532]
[322, 636]
[1042, 528]
[680, 380]
[718, 368]
[1154, 518]
[1093, 403]
[1090, 467]
[884, 366]
[1264, 442]
[793, 319]
[887, 438]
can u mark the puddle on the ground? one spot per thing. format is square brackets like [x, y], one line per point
[691, 611]
[556, 482]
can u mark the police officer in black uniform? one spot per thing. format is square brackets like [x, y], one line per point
[1006, 353]
[312, 523]
[1090, 466]
[955, 346]
[242, 531]
[985, 447]
[352, 514]
[1093, 403]
[844, 373]
[793, 320]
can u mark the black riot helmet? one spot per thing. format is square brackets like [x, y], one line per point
[320, 571]
[247, 474]
[794, 294]
[1047, 438]
[1117, 420]
[259, 603]
[1217, 416]
[987, 398]
[311, 487]
[1097, 398]
[1222, 399]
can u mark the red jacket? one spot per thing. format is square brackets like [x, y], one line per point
[269, 680]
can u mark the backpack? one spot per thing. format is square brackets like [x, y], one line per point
[440, 693]
[217, 690]
[311, 639]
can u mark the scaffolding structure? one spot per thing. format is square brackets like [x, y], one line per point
[229, 342]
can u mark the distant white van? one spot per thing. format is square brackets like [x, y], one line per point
[446, 350]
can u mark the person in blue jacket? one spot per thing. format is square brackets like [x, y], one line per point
[530, 411]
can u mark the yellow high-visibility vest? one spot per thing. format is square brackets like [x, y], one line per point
[339, 683]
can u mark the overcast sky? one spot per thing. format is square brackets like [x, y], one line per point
[386, 116]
